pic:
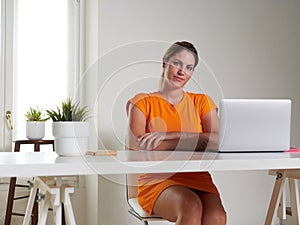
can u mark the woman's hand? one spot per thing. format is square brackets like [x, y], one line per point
[150, 141]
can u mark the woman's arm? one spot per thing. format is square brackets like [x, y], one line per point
[187, 140]
[137, 137]
[210, 124]
[136, 127]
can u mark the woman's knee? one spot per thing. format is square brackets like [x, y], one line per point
[216, 216]
[178, 202]
[214, 213]
[191, 210]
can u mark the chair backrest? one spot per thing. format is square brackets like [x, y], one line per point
[131, 182]
[132, 185]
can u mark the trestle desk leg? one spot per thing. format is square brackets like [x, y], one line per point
[44, 209]
[281, 212]
[66, 191]
[276, 195]
[30, 202]
[294, 196]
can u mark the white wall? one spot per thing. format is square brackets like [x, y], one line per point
[251, 50]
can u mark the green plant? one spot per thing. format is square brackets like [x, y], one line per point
[69, 111]
[35, 114]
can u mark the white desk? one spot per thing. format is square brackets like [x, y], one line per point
[50, 164]
[130, 162]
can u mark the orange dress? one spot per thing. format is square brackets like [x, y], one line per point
[164, 117]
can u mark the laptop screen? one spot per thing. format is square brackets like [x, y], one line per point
[254, 125]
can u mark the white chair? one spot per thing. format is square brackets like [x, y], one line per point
[134, 208]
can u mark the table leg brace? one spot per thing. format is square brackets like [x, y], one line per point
[281, 213]
[66, 191]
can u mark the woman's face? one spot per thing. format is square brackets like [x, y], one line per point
[179, 68]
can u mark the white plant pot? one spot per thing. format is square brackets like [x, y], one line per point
[71, 137]
[35, 130]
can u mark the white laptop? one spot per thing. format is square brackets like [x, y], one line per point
[254, 125]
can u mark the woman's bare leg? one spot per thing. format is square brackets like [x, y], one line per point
[179, 204]
[213, 211]
[186, 207]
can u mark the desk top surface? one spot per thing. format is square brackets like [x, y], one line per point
[50, 164]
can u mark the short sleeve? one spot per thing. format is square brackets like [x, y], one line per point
[207, 105]
[204, 104]
[140, 101]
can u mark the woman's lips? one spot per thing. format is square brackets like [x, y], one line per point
[178, 78]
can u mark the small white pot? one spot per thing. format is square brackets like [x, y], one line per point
[71, 137]
[35, 130]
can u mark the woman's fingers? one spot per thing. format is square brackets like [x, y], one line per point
[156, 143]
[150, 141]
[144, 139]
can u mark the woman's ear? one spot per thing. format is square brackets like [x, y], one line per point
[163, 63]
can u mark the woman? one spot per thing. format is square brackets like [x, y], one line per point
[172, 119]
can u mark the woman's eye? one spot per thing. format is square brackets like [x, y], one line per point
[189, 68]
[176, 63]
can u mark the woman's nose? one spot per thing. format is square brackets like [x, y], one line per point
[180, 71]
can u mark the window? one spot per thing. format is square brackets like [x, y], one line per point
[45, 56]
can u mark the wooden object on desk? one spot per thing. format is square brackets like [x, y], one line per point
[13, 183]
[103, 152]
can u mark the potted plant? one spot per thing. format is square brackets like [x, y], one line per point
[69, 128]
[35, 124]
